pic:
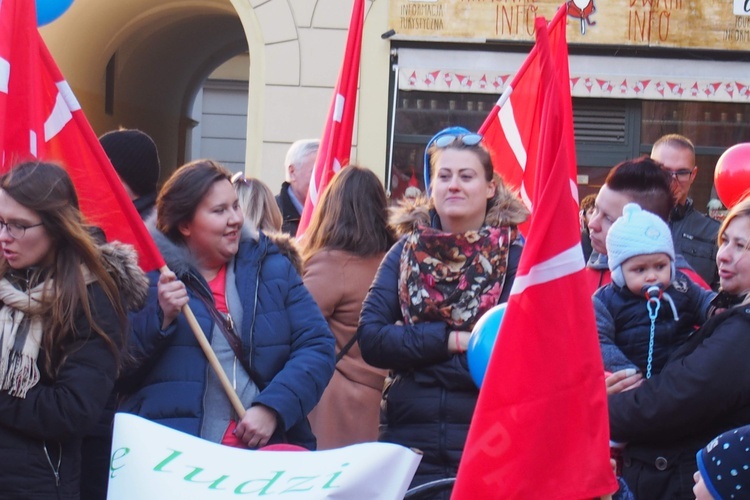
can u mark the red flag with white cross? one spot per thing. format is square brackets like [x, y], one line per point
[40, 119]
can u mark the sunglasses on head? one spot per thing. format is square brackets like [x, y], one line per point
[467, 140]
[239, 177]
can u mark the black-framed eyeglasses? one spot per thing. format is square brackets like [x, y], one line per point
[16, 230]
[466, 139]
[680, 175]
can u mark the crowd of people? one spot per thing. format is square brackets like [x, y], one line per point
[357, 332]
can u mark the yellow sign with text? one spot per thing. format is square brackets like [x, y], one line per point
[696, 24]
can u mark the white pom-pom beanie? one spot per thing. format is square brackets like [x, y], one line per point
[637, 232]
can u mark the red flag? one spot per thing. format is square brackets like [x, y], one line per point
[41, 118]
[540, 429]
[336, 142]
[511, 130]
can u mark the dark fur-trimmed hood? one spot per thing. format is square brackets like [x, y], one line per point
[506, 209]
[289, 247]
[121, 261]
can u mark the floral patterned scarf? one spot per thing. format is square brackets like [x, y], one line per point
[453, 277]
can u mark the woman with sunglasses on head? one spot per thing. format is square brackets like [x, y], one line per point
[455, 260]
[263, 325]
[62, 326]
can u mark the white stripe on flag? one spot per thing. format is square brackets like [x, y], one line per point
[4, 75]
[574, 190]
[336, 165]
[512, 134]
[32, 143]
[338, 110]
[526, 198]
[312, 190]
[58, 118]
[67, 93]
[563, 264]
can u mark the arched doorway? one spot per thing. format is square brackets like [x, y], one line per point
[140, 73]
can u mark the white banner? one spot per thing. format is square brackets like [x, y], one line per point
[153, 461]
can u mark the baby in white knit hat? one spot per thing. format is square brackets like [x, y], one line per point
[650, 308]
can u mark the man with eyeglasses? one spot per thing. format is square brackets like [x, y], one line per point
[694, 233]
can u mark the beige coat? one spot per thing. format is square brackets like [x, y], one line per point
[348, 412]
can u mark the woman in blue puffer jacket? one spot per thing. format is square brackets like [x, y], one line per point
[265, 328]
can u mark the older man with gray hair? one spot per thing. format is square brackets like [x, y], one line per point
[299, 163]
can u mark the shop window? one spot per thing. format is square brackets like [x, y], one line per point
[712, 126]
[707, 124]
[607, 131]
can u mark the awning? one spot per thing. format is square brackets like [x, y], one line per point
[590, 76]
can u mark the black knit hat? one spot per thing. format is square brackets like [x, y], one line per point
[724, 464]
[134, 156]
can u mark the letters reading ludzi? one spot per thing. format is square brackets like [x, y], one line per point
[279, 482]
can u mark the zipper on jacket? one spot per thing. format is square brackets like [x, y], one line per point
[443, 426]
[55, 469]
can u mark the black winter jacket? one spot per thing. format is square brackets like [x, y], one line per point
[289, 213]
[624, 325]
[703, 391]
[57, 413]
[694, 235]
[431, 397]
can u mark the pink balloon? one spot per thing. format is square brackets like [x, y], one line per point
[732, 174]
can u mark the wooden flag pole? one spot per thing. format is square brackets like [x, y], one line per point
[234, 399]
[214, 361]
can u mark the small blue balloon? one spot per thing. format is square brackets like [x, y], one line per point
[49, 10]
[482, 340]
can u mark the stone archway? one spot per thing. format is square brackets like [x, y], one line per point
[131, 63]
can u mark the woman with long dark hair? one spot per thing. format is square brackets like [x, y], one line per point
[344, 244]
[62, 324]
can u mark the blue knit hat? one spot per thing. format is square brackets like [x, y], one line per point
[637, 232]
[427, 170]
[724, 464]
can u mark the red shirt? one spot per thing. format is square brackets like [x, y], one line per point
[218, 287]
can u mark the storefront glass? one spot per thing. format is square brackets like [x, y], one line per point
[712, 126]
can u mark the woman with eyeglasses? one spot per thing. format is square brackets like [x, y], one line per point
[456, 259]
[63, 301]
[344, 244]
[264, 327]
[258, 203]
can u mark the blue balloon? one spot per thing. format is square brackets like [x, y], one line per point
[49, 10]
[482, 340]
